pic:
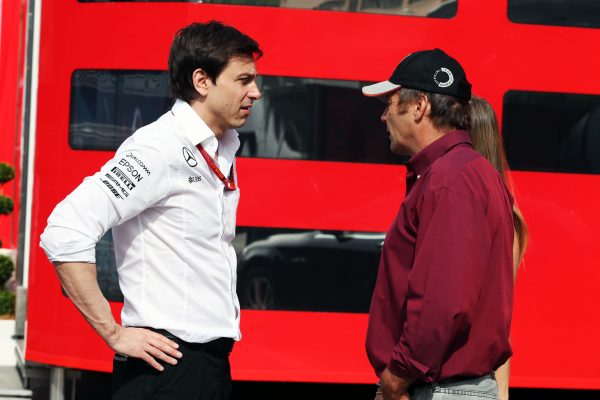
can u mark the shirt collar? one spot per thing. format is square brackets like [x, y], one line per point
[423, 159]
[195, 131]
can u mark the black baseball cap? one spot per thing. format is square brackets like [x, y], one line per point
[428, 70]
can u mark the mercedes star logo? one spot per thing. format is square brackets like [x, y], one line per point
[189, 157]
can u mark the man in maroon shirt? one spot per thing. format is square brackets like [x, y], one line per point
[441, 310]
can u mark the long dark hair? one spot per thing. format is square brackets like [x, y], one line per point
[486, 139]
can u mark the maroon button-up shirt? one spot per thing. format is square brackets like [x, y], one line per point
[443, 299]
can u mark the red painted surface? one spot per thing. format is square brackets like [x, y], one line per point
[556, 324]
[12, 52]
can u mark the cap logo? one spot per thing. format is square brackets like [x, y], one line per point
[438, 79]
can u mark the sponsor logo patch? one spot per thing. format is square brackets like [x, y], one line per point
[189, 157]
[193, 179]
[130, 168]
[121, 175]
[140, 162]
[117, 184]
[112, 189]
[438, 77]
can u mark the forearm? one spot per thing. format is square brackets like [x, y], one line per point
[502, 377]
[80, 284]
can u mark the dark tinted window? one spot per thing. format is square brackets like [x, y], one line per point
[283, 269]
[304, 119]
[423, 8]
[582, 13]
[552, 131]
[108, 106]
[106, 269]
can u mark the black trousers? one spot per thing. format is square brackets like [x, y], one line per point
[202, 373]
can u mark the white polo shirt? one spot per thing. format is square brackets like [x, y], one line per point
[172, 224]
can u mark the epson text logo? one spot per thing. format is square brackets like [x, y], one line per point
[132, 171]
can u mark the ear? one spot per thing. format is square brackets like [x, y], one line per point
[421, 108]
[201, 81]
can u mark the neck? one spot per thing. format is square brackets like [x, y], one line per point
[425, 136]
[199, 108]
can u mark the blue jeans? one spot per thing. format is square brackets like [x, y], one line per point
[484, 387]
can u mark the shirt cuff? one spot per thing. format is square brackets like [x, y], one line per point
[81, 257]
[85, 256]
[59, 246]
[407, 368]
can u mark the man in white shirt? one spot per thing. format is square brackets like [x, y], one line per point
[170, 197]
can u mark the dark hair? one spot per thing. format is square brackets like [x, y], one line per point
[208, 46]
[485, 136]
[446, 111]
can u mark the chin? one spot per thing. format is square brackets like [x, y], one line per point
[238, 123]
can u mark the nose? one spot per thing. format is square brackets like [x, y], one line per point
[385, 115]
[254, 92]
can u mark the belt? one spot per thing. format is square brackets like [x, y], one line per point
[450, 381]
[220, 346]
[465, 378]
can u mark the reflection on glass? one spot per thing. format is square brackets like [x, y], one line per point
[286, 269]
[309, 270]
[296, 118]
[422, 8]
[108, 106]
[106, 268]
[581, 13]
[552, 131]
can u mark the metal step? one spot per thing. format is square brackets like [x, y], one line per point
[15, 394]
[28, 371]
[11, 386]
